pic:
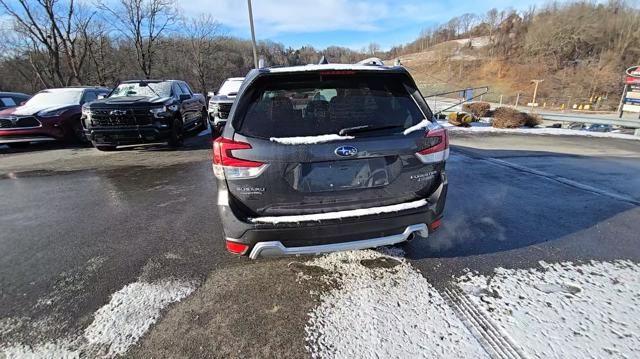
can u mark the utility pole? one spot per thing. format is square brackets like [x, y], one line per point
[535, 91]
[253, 36]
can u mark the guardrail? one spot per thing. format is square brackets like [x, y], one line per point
[595, 120]
[450, 103]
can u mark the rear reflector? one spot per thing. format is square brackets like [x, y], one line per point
[237, 248]
[437, 146]
[225, 164]
[435, 224]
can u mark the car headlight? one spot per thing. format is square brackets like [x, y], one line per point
[160, 112]
[86, 112]
[213, 108]
[54, 113]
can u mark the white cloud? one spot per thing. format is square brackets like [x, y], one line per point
[278, 17]
[281, 16]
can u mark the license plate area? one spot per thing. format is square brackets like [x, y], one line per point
[340, 175]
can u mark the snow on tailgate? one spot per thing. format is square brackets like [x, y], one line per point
[383, 308]
[341, 214]
[565, 310]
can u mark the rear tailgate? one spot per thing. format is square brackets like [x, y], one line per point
[301, 179]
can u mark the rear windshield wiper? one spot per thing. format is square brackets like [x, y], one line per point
[366, 128]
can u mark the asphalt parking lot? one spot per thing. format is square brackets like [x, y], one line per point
[82, 228]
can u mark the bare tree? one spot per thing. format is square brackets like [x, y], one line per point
[452, 28]
[467, 21]
[203, 39]
[142, 22]
[56, 29]
[373, 48]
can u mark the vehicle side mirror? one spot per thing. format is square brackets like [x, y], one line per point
[102, 96]
[211, 93]
[184, 97]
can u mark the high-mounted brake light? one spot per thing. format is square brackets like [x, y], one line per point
[225, 164]
[337, 72]
[437, 149]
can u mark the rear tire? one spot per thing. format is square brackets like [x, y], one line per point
[79, 138]
[205, 119]
[176, 138]
[104, 148]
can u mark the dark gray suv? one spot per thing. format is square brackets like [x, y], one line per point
[329, 157]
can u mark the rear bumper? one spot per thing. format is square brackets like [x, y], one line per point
[127, 135]
[276, 248]
[328, 235]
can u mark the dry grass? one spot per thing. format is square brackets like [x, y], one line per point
[506, 117]
[478, 109]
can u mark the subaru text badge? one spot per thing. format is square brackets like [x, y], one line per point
[346, 151]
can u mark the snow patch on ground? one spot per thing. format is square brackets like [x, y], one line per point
[341, 214]
[115, 327]
[481, 127]
[564, 310]
[309, 140]
[383, 308]
[131, 311]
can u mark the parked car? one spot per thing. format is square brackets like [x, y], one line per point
[143, 111]
[360, 163]
[220, 104]
[12, 99]
[50, 115]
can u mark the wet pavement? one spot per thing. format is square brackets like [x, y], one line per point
[79, 225]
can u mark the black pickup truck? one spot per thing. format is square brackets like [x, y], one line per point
[143, 111]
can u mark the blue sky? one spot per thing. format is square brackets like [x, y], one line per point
[350, 23]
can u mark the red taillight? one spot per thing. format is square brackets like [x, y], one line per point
[435, 224]
[223, 156]
[237, 248]
[226, 165]
[440, 141]
[437, 149]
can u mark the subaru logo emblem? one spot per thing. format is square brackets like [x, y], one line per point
[346, 151]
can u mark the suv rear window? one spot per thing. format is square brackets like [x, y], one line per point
[316, 104]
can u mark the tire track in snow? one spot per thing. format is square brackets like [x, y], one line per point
[497, 342]
[564, 310]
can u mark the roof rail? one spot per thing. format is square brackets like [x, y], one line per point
[372, 61]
